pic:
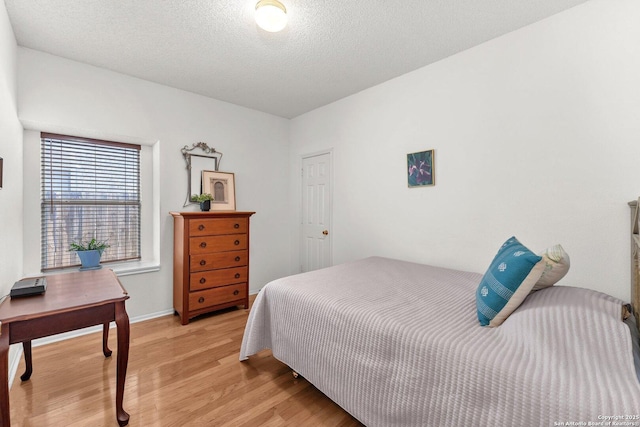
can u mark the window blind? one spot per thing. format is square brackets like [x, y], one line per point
[90, 189]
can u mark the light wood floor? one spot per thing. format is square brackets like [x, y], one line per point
[177, 376]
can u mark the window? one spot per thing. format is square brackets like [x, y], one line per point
[90, 188]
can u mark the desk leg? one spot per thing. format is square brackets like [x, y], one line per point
[105, 339]
[5, 420]
[122, 323]
[28, 361]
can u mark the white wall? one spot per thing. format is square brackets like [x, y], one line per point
[11, 207]
[536, 135]
[11, 152]
[58, 95]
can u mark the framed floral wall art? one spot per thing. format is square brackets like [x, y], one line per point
[420, 170]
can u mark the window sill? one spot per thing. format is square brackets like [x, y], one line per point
[131, 268]
[121, 269]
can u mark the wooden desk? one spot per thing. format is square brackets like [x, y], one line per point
[72, 301]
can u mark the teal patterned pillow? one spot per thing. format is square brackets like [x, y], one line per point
[510, 277]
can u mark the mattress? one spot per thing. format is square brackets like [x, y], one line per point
[399, 344]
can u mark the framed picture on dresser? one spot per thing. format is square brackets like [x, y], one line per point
[221, 185]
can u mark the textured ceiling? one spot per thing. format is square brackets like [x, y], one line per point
[330, 49]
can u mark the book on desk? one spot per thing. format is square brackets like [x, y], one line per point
[28, 287]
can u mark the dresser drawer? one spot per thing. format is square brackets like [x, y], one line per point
[208, 244]
[214, 278]
[218, 260]
[215, 296]
[217, 226]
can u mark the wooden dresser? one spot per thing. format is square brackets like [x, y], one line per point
[210, 261]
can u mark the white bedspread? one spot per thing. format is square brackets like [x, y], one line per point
[398, 344]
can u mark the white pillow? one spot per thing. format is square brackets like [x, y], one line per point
[556, 267]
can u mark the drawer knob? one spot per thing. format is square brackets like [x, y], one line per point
[201, 300]
[203, 262]
[203, 244]
[203, 280]
[201, 227]
[236, 225]
[237, 242]
[236, 292]
[237, 276]
[237, 259]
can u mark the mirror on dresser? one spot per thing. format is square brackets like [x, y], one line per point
[198, 158]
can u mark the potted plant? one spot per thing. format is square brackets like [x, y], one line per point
[89, 253]
[204, 200]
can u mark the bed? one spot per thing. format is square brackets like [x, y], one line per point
[396, 343]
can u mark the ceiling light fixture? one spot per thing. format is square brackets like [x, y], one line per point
[271, 15]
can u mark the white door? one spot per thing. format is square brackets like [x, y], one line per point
[316, 212]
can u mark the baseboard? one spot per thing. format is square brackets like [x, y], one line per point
[15, 351]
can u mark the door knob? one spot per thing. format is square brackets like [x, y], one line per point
[325, 232]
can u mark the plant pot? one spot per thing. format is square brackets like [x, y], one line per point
[205, 206]
[90, 259]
